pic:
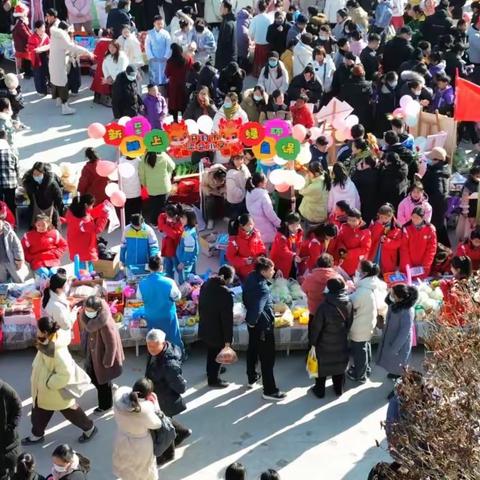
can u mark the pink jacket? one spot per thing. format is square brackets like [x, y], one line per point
[79, 11]
[406, 206]
[260, 207]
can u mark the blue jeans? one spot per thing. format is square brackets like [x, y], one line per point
[169, 266]
[183, 274]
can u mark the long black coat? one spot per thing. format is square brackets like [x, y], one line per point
[215, 307]
[397, 51]
[358, 92]
[328, 332]
[313, 88]
[437, 25]
[406, 155]
[125, 99]
[393, 183]
[278, 39]
[370, 62]
[165, 371]
[10, 413]
[387, 102]
[227, 42]
[366, 182]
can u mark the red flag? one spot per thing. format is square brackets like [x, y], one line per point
[467, 101]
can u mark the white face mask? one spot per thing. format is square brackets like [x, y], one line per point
[90, 314]
[59, 468]
[257, 98]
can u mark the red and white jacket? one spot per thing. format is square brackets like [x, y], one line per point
[43, 249]
[172, 232]
[419, 246]
[390, 252]
[243, 246]
[357, 244]
[284, 250]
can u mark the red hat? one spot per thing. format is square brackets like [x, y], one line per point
[20, 10]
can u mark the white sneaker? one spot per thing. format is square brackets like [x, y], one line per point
[67, 109]
[210, 225]
[58, 102]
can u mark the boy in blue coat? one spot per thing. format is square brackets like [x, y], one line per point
[188, 248]
[139, 242]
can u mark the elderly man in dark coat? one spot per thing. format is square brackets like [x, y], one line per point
[328, 332]
[164, 369]
[215, 307]
[10, 412]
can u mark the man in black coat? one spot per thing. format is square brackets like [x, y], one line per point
[393, 145]
[369, 56]
[119, 17]
[343, 73]
[437, 25]
[397, 50]
[260, 321]
[307, 84]
[125, 98]
[215, 308]
[277, 33]
[227, 42]
[164, 369]
[10, 413]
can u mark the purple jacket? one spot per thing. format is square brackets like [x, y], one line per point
[243, 42]
[156, 110]
[259, 206]
[443, 100]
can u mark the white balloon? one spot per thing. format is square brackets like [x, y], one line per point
[305, 154]
[114, 176]
[167, 120]
[405, 100]
[351, 120]
[123, 121]
[192, 126]
[298, 182]
[111, 188]
[278, 176]
[126, 170]
[315, 132]
[205, 124]
[280, 161]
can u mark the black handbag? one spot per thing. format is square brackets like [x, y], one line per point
[164, 436]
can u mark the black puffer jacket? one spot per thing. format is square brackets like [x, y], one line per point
[258, 302]
[366, 182]
[10, 413]
[358, 92]
[393, 183]
[125, 99]
[165, 371]
[436, 180]
[406, 155]
[437, 25]
[328, 332]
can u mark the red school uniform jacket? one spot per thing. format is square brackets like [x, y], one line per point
[43, 249]
[284, 250]
[303, 116]
[312, 248]
[172, 232]
[242, 246]
[467, 248]
[356, 242]
[389, 258]
[82, 233]
[418, 248]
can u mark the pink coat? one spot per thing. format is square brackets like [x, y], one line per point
[79, 11]
[260, 207]
[406, 206]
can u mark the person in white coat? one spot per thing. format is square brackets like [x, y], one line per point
[368, 304]
[115, 62]
[60, 46]
[342, 189]
[130, 44]
[235, 183]
[274, 75]
[302, 53]
[136, 412]
[131, 185]
[324, 68]
[56, 305]
[259, 206]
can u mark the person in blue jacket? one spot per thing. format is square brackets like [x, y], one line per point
[139, 242]
[159, 294]
[188, 248]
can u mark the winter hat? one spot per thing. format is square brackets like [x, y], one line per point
[11, 81]
[335, 285]
[438, 153]
[20, 10]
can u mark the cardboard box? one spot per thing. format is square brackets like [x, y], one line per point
[108, 268]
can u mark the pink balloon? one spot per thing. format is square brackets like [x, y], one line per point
[398, 112]
[299, 132]
[105, 168]
[282, 187]
[342, 135]
[96, 130]
[118, 198]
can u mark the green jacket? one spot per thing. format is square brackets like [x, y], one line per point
[157, 179]
[314, 203]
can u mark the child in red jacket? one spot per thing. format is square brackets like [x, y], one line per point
[43, 246]
[285, 252]
[245, 245]
[386, 240]
[84, 223]
[471, 248]
[340, 214]
[353, 242]
[301, 114]
[170, 225]
[442, 262]
[419, 243]
[321, 239]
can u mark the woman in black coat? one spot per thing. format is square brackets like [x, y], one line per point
[44, 192]
[215, 308]
[231, 79]
[387, 101]
[125, 98]
[436, 184]
[328, 332]
[73, 465]
[10, 413]
[393, 180]
[365, 178]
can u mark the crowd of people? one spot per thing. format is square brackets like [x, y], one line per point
[378, 208]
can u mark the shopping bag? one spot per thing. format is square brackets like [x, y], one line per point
[312, 363]
[227, 356]
[164, 436]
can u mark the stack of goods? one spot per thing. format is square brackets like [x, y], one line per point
[430, 299]
[187, 306]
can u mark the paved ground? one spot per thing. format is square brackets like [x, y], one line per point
[302, 436]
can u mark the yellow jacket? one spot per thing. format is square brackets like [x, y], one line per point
[287, 59]
[315, 200]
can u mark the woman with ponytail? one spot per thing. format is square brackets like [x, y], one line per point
[26, 468]
[90, 181]
[368, 304]
[245, 245]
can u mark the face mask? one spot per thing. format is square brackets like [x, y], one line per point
[90, 314]
[323, 37]
[131, 77]
[199, 29]
[257, 98]
[227, 104]
[390, 297]
[393, 84]
[38, 179]
[59, 468]
[273, 63]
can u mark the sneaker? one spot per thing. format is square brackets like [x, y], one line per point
[253, 381]
[67, 109]
[218, 384]
[277, 396]
[181, 437]
[210, 225]
[85, 437]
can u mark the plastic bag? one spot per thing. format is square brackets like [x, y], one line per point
[227, 356]
[312, 363]
[239, 313]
